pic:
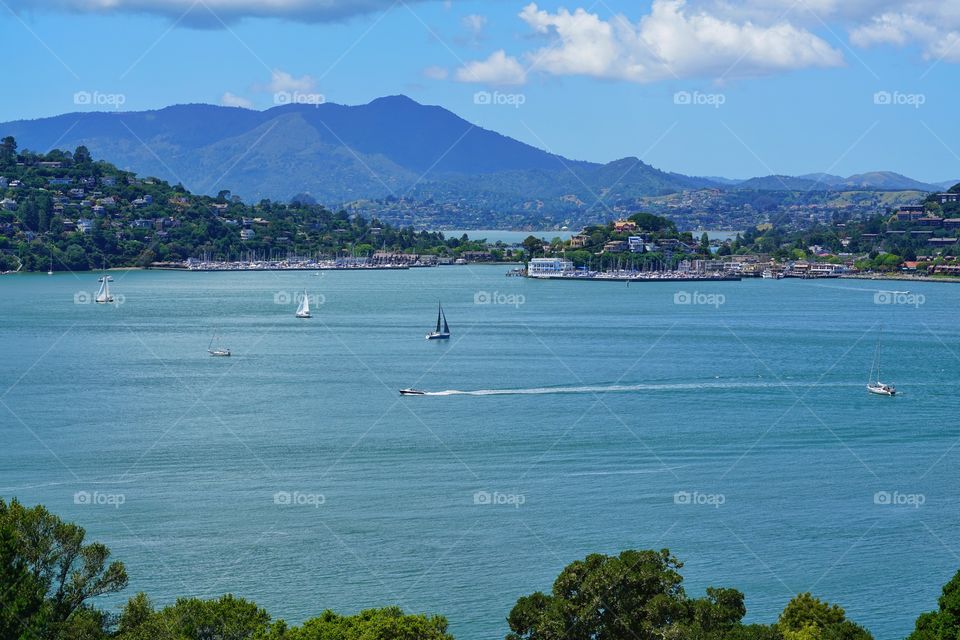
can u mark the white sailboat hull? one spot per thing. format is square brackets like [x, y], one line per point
[881, 389]
[438, 336]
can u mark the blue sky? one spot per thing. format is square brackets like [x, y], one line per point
[702, 87]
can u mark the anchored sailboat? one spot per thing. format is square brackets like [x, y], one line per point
[217, 350]
[303, 311]
[442, 332]
[873, 384]
[103, 295]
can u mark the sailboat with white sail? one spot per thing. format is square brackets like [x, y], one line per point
[442, 332]
[103, 295]
[874, 385]
[303, 310]
[215, 349]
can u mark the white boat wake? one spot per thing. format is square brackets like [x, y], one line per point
[613, 388]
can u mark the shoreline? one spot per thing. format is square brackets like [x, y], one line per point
[640, 279]
[902, 278]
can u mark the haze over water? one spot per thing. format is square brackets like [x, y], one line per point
[603, 417]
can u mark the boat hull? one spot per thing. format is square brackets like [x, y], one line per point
[438, 336]
[881, 391]
[412, 392]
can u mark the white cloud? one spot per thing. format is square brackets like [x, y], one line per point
[498, 69]
[282, 81]
[214, 13]
[436, 73]
[231, 100]
[474, 23]
[934, 26]
[670, 41]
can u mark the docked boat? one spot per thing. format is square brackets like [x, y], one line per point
[103, 295]
[442, 332]
[873, 384]
[412, 392]
[215, 349]
[303, 311]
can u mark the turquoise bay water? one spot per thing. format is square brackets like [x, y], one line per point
[754, 411]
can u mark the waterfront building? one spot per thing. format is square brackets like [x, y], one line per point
[546, 267]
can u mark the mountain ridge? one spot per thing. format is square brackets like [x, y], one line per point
[391, 146]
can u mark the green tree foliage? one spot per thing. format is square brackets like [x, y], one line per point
[8, 152]
[647, 222]
[533, 246]
[226, 618]
[943, 624]
[69, 571]
[82, 156]
[637, 595]
[808, 618]
[373, 624]
[21, 592]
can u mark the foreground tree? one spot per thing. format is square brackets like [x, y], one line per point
[68, 571]
[373, 624]
[943, 624]
[637, 595]
[21, 593]
[809, 618]
[226, 618]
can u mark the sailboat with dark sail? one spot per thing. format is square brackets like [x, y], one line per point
[442, 332]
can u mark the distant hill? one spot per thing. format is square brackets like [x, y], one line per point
[392, 148]
[825, 178]
[887, 181]
[873, 181]
[781, 183]
[336, 153]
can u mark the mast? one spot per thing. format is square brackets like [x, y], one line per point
[878, 354]
[439, 312]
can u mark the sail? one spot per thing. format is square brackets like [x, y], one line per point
[304, 307]
[439, 314]
[446, 328]
[103, 293]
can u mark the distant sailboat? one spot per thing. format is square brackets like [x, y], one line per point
[50, 269]
[217, 351]
[442, 332]
[103, 295]
[873, 384]
[303, 311]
